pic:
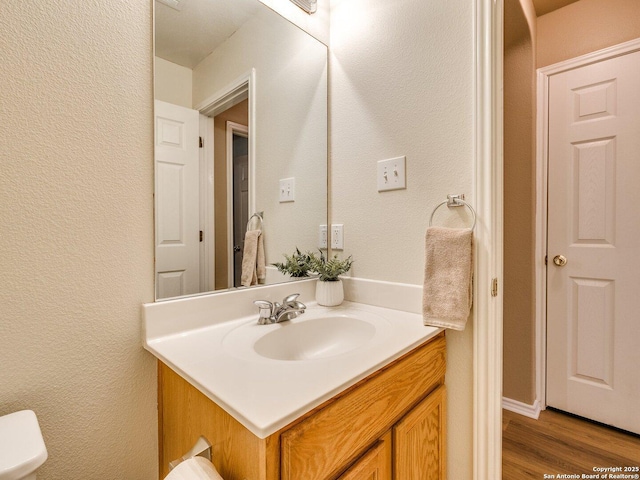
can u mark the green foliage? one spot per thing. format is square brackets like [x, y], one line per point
[297, 265]
[329, 269]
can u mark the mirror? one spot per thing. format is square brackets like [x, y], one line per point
[240, 143]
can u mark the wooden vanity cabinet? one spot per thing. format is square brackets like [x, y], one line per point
[419, 440]
[413, 449]
[375, 464]
[390, 425]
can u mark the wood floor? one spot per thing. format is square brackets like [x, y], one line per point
[561, 444]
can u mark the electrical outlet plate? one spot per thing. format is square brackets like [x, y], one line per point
[337, 237]
[322, 236]
[392, 174]
[287, 190]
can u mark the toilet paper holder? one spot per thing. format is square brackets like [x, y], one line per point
[202, 448]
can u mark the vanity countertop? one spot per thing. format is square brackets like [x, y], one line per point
[267, 394]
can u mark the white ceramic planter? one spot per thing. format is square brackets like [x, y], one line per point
[329, 294]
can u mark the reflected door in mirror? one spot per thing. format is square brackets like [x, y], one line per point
[177, 219]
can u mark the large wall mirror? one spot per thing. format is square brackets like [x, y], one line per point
[240, 143]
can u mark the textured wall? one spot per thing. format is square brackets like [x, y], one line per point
[586, 26]
[77, 232]
[402, 83]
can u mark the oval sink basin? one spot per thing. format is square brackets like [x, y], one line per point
[315, 338]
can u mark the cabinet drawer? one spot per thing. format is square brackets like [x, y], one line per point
[322, 445]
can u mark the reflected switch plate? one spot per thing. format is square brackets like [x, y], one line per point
[287, 190]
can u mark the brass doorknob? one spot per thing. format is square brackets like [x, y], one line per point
[560, 260]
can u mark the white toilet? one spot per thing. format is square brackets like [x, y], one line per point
[22, 449]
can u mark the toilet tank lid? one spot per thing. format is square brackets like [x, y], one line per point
[22, 448]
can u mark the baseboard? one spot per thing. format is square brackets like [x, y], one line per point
[531, 411]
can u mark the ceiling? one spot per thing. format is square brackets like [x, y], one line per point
[188, 35]
[546, 6]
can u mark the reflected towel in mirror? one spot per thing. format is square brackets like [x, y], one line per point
[253, 261]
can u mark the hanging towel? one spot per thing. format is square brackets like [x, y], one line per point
[448, 277]
[253, 263]
[196, 468]
[261, 266]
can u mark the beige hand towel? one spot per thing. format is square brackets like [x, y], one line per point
[261, 265]
[448, 277]
[252, 245]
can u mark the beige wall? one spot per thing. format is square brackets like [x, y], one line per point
[586, 26]
[402, 83]
[76, 215]
[173, 83]
[519, 205]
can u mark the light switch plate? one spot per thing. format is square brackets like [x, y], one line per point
[287, 190]
[392, 174]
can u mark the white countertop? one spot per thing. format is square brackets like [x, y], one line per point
[264, 394]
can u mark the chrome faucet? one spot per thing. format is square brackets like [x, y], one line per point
[279, 312]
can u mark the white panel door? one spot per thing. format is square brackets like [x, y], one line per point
[593, 301]
[177, 200]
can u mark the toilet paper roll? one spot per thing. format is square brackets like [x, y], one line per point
[196, 468]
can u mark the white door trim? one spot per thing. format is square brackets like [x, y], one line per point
[232, 128]
[487, 316]
[542, 159]
[207, 217]
[230, 95]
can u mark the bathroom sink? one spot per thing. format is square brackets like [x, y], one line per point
[316, 338]
[318, 334]
[267, 376]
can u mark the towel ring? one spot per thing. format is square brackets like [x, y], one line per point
[455, 201]
[258, 215]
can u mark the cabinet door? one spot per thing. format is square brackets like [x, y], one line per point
[373, 465]
[419, 440]
[329, 440]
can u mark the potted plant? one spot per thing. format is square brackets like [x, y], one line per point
[296, 265]
[329, 289]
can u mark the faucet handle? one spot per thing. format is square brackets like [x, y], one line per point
[290, 298]
[266, 311]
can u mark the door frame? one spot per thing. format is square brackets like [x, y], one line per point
[488, 238]
[207, 220]
[542, 166]
[233, 128]
[243, 87]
